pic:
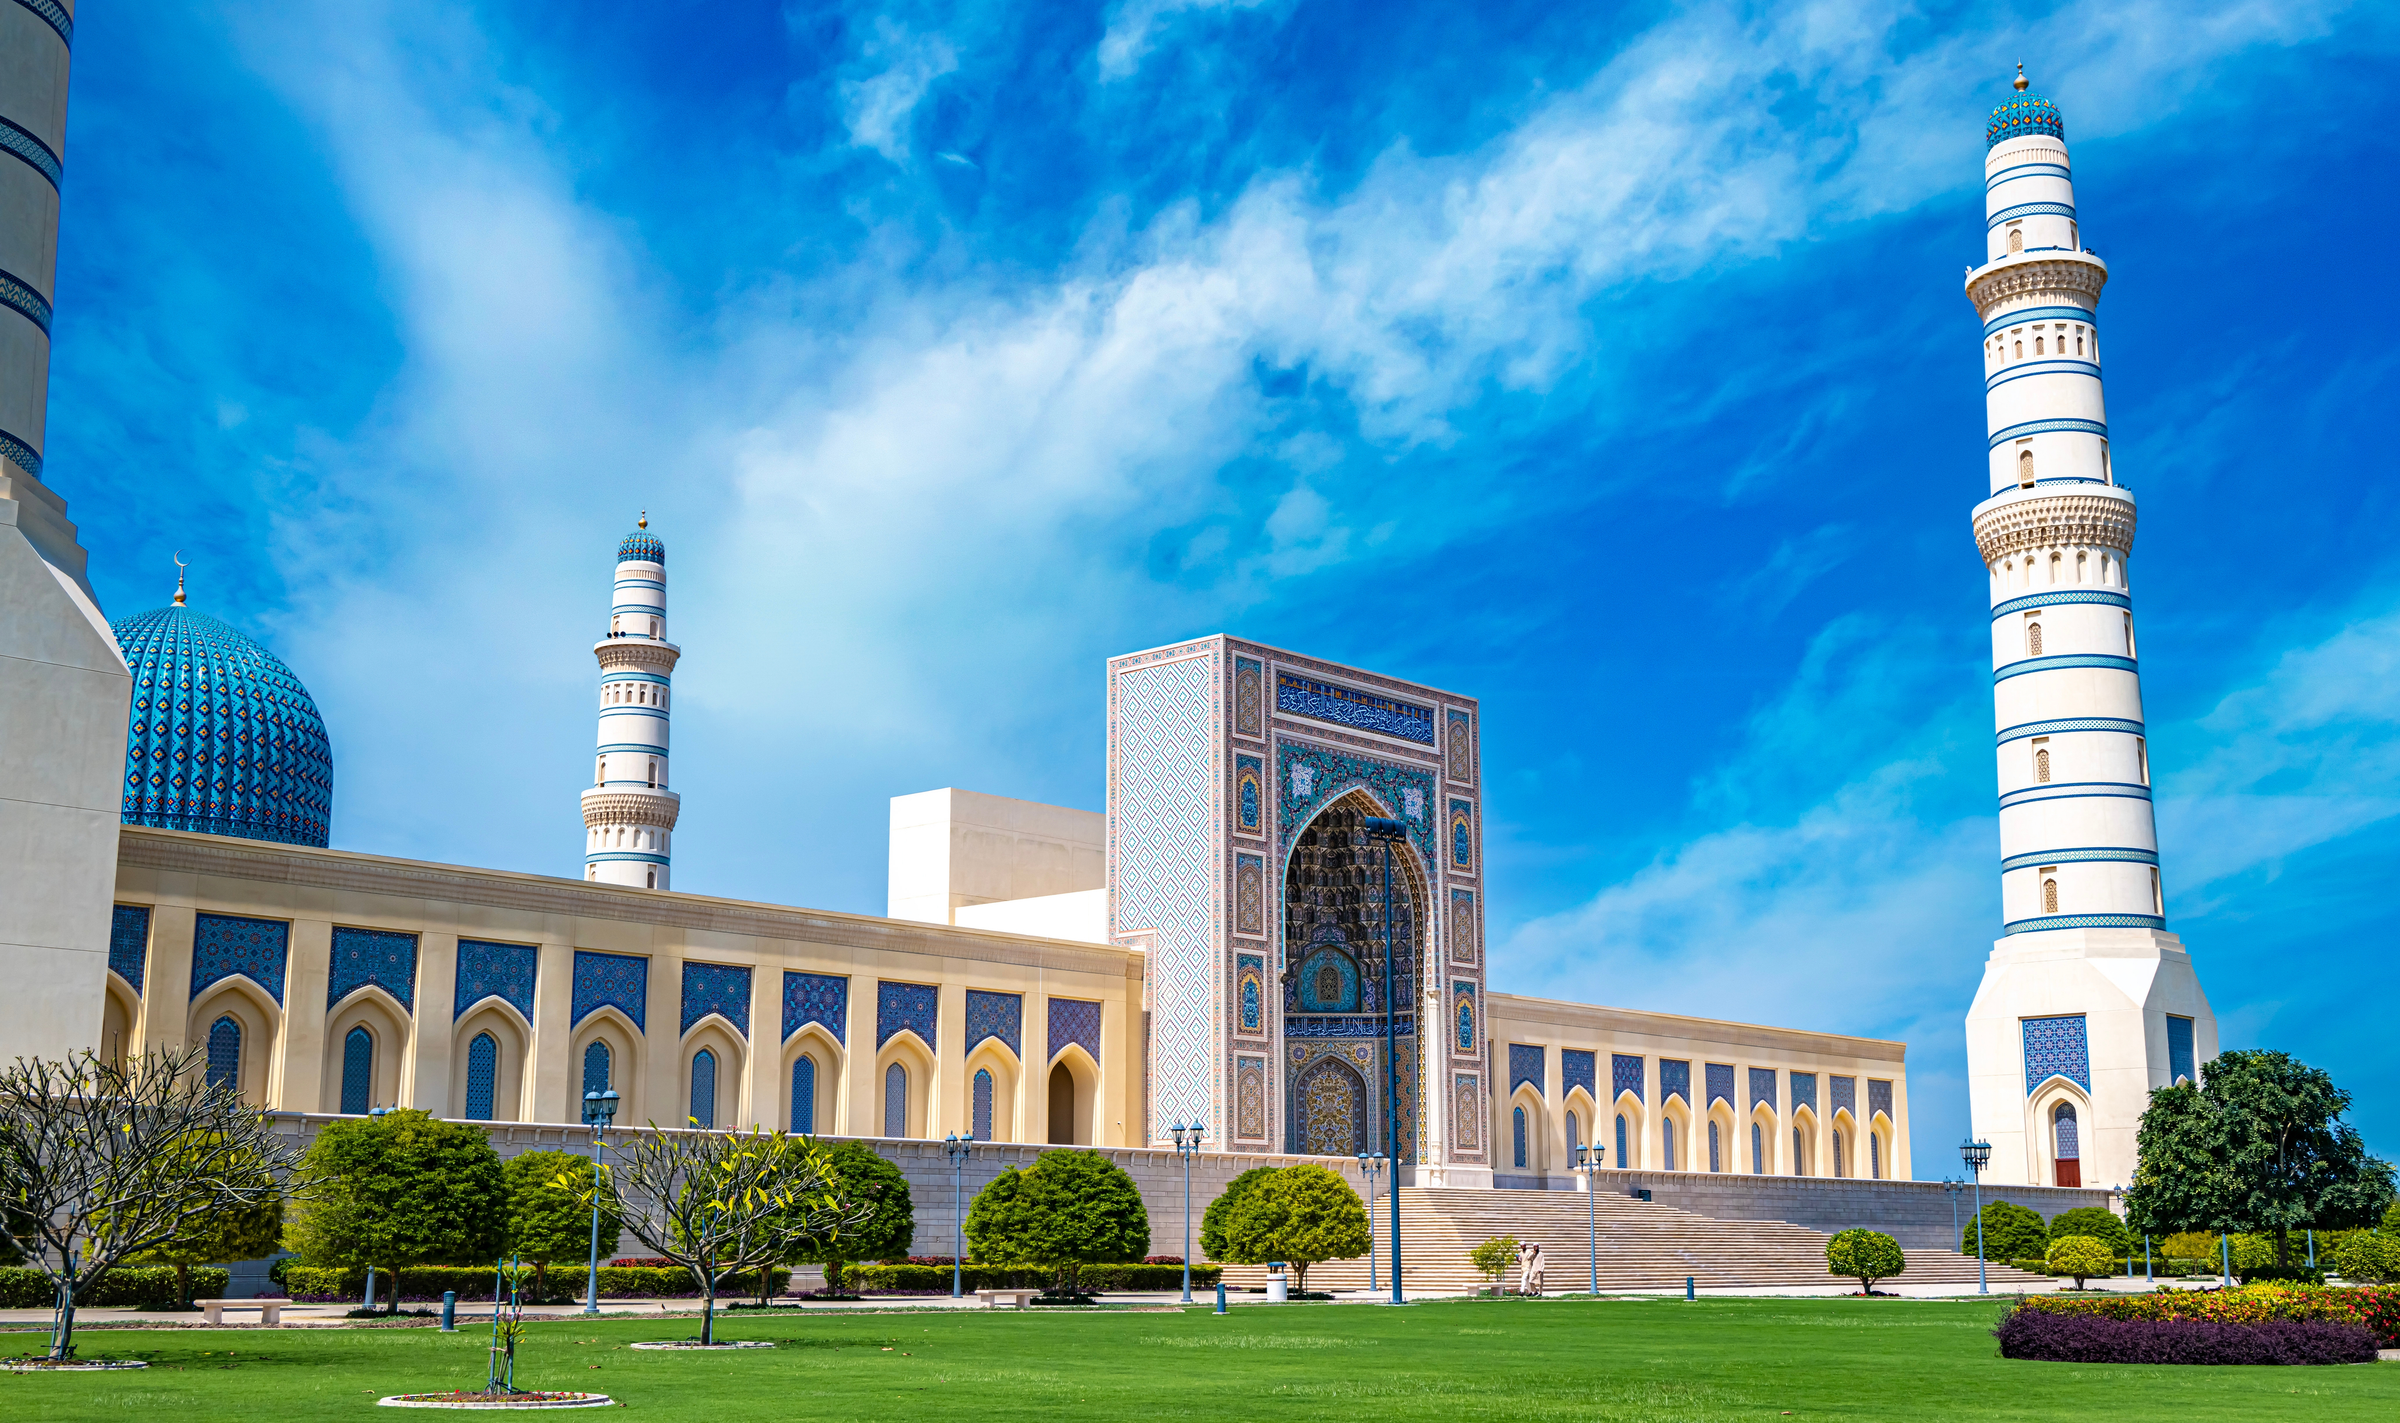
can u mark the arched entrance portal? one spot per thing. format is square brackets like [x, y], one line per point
[1334, 989]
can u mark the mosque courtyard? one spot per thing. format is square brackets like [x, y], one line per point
[1561, 1358]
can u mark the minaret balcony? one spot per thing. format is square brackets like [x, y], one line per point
[642, 654]
[2091, 516]
[615, 805]
[2049, 275]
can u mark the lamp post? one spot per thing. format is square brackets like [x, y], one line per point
[1977, 1155]
[1187, 1141]
[1954, 1188]
[1385, 832]
[599, 1109]
[956, 1148]
[1587, 1160]
[1370, 1166]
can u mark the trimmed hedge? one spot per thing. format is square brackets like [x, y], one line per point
[132, 1287]
[2376, 1308]
[935, 1279]
[561, 1284]
[2083, 1339]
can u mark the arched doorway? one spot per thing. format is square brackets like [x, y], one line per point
[1334, 985]
[1333, 1109]
[2067, 1144]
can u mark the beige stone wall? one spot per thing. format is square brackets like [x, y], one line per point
[951, 848]
[1553, 1026]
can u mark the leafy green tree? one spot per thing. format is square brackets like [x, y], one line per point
[1073, 1208]
[2258, 1145]
[1492, 1258]
[2368, 1257]
[405, 1188]
[2014, 1232]
[241, 1233]
[2081, 1256]
[550, 1211]
[2391, 1219]
[867, 1181]
[1213, 1243]
[1865, 1256]
[2098, 1222]
[1299, 1215]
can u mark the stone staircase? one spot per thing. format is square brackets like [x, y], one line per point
[1643, 1246]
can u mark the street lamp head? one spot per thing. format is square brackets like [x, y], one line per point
[1380, 828]
[1977, 1154]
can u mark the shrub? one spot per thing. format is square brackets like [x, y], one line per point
[473, 1283]
[2368, 1257]
[1213, 1242]
[2080, 1256]
[906, 1278]
[126, 1287]
[2083, 1339]
[2377, 1308]
[2014, 1232]
[1865, 1256]
[1072, 1209]
[402, 1189]
[1492, 1258]
[2099, 1223]
[864, 1176]
[1299, 1215]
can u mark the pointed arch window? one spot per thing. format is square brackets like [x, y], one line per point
[1838, 1165]
[1716, 1154]
[895, 1100]
[704, 1088]
[2049, 896]
[2025, 469]
[1624, 1156]
[483, 1074]
[1517, 1125]
[1666, 1141]
[358, 1071]
[1798, 1150]
[2037, 345]
[2033, 639]
[2041, 766]
[1758, 1150]
[225, 1054]
[1574, 1133]
[1875, 1156]
[595, 1067]
[2016, 239]
[983, 1104]
[804, 1095]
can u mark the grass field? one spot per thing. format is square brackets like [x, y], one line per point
[1515, 1361]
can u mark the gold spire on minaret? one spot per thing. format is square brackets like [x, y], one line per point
[2020, 76]
[644, 521]
[180, 565]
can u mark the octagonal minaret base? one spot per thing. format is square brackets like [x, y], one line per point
[629, 813]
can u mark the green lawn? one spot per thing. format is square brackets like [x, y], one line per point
[1514, 1361]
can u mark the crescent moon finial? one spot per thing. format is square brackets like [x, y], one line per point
[180, 565]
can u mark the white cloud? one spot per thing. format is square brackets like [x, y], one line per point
[1135, 27]
[877, 108]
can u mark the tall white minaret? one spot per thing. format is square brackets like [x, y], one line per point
[2087, 1002]
[628, 812]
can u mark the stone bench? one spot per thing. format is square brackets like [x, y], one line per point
[270, 1311]
[1014, 1299]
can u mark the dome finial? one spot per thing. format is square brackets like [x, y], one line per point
[2020, 76]
[644, 521]
[180, 565]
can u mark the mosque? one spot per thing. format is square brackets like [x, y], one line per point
[1214, 946]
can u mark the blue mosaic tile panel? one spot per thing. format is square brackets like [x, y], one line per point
[2056, 1047]
[1250, 993]
[1462, 1012]
[704, 1089]
[1627, 1073]
[910, 1006]
[358, 1072]
[1073, 1020]
[483, 1076]
[983, 1105]
[595, 1067]
[223, 946]
[1845, 1094]
[1249, 794]
[1312, 776]
[1462, 835]
[1674, 1080]
[1804, 1090]
[225, 1054]
[815, 998]
[1249, 894]
[1249, 698]
[1720, 1083]
[1578, 1067]
[505, 972]
[1461, 746]
[718, 988]
[996, 1015]
[364, 956]
[619, 981]
[1345, 706]
[1164, 783]
[129, 942]
[804, 1095]
[2180, 1057]
[1525, 1062]
[1762, 1086]
[1879, 1097]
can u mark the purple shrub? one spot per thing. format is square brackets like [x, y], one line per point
[2083, 1339]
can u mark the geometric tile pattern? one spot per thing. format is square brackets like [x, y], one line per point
[1461, 748]
[1250, 994]
[1525, 1065]
[1365, 711]
[1674, 1080]
[1625, 1075]
[1720, 1083]
[2056, 1047]
[1249, 894]
[1578, 1068]
[483, 1076]
[804, 1095]
[821, 998]
[129, 942]
[905, 1006]
[225, 1054]
[505, 972]
[704, 1089]
[1879, 1097]
[1804, 1091]
[1462, 926]
[364, 956]
[1250, 1098]
[1762, 1086]
[223, 945]
[1249, 699]
[1311, 776]
[722, 989]
[1249, 794]
[1462, 834]
[358, 1072]
[995, 1015]
[1074, 1020]
[1462, 1000]
[1161, 800]
[1845, 1095]
[1466, 1116]
[619, 981]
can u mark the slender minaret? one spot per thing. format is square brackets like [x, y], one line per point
[2087, 1003]
[628, 812]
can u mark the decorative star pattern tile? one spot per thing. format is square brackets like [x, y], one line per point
[505, 971]
[996, 1015]
[257, 949]
[129, 942]
[723, 989]
[364, 956]
[822, 998]
[619, 981]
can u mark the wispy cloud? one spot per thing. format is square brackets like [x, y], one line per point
[877, 108]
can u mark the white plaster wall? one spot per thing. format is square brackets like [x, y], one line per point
[951, 848]
[1080, 915]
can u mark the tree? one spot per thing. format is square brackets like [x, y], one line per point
[2081, 1256]
[1865, 1256]
[1073, 1208]
[101, 1160]
[2015, 1233]
[1492, 1258]
[2370, 1257]
[239, 1233]
[887, 1227]
[2259, 1145]
[404, 1188]
[548, 1221]
[1299, 1215]
[722, 1203]
[1213, 1243]
[2098, 1222]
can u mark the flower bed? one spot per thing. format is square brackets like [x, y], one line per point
[2374, 1308]
[2090, 1339]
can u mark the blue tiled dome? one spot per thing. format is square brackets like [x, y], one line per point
[2024, 114]
[224, 739]
[641, 545]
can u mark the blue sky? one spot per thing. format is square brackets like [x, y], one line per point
[1607, 364]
